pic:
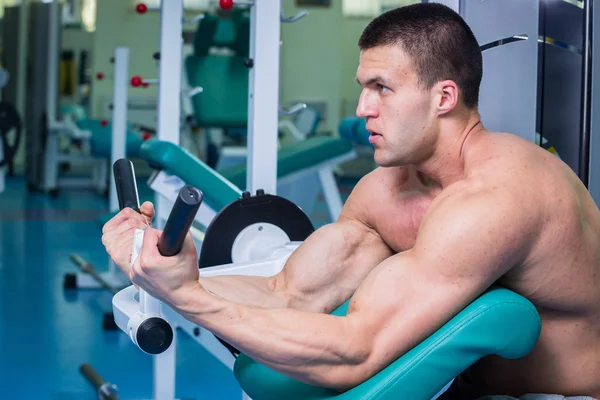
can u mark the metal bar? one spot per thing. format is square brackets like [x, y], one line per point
[169, 86]
[119, 117]
[263, 101]
[586, 96]
[89, 269]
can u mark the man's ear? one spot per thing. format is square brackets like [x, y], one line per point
[447, 96]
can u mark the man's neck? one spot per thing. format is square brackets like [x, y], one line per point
[446, 165]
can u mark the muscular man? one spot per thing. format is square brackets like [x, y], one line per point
[452, 209]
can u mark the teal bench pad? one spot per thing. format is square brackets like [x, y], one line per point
[498, 322]
[101, 139]
[221, 188]
[296, 157]
[355, 130]
[167, 156]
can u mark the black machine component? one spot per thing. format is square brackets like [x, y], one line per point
[234, 218]
[9, 122]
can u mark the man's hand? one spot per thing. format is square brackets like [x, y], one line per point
[117, 234]
[169, 279]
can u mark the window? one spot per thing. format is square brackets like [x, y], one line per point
[187, 4]
[371, 8]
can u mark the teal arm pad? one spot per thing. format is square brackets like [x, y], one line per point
[218, 191]
[498, 322]
[355, 130]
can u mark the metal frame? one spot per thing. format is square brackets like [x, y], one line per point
[169, 85]
[594, 136]
[263, 100]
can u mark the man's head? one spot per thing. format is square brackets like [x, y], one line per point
[418, 63]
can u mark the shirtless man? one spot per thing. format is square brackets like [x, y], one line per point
[451, 210]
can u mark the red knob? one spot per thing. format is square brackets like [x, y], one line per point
[136, 81]
[99, 76]
[103, 122]
[226, 4]
[146, 136]
[141, 8]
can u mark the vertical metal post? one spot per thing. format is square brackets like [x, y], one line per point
[263, 101]
[119, 116]
[586, 95]
[169, 86]
[50, 172]
[53, 60]
[22, 57]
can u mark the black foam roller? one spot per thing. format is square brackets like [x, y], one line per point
[126, 186]
[179, 221]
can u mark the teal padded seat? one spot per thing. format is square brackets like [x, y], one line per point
[167, 156]
[75, 111]
[224, 78]
[498, 322]
[295, 157]
[101, 139]
[355, 130]
[224, 99]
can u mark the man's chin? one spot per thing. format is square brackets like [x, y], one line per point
[387, 162]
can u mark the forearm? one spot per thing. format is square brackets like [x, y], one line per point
[318, 349]
[249, 290]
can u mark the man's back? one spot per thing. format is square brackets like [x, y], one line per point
[560, 274]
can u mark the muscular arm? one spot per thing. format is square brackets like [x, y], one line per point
[325, 269]
[465, 243]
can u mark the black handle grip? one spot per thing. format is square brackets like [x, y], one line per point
[179, 221]
[126, 186]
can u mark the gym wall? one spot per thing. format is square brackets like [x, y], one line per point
[319, 55]
[117, 24]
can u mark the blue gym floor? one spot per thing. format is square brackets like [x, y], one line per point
[46, 333]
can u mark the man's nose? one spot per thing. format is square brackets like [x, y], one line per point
[366, 106]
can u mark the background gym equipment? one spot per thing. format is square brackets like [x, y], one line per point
[104, 389]
[10, 134]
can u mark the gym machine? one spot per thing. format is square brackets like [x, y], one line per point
[10, 133]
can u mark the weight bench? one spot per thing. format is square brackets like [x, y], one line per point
[499, 322]
[297, 168]
[92, 138]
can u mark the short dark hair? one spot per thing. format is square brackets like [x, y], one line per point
[438, 41]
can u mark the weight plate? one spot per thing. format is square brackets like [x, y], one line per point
[234, 218]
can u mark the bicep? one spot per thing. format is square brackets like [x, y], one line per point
[400, 304]
[461, 250]
[330, 264]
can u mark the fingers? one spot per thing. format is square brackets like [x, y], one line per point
[189, 246]
[118, 235]
[123, 215]
[149, 256]
[147, 210]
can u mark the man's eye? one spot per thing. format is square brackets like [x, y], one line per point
[382, 88]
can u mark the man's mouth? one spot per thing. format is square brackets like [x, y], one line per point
[374, 137]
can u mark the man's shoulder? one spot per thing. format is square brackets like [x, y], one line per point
[483, 196]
